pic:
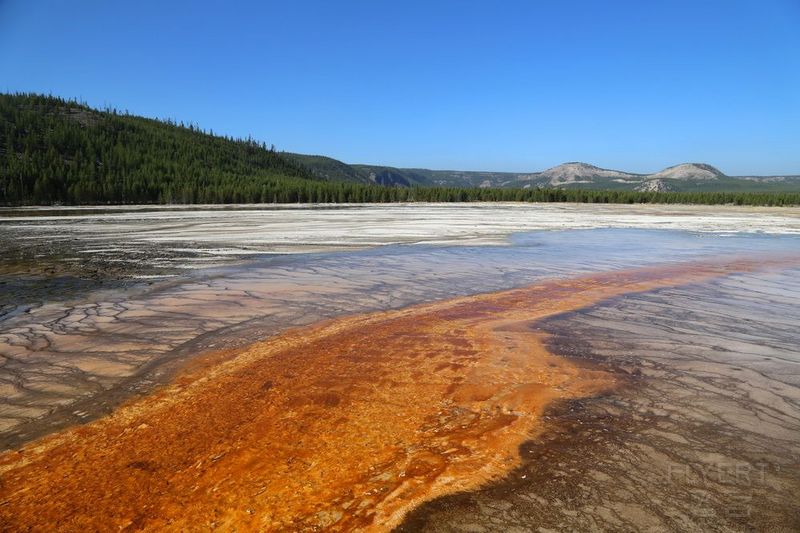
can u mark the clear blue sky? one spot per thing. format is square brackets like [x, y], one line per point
[516, 85]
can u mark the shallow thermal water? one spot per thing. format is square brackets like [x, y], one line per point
[99, 305]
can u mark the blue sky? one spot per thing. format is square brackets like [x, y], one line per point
[516, 85]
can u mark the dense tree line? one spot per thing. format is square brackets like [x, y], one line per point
[60, 151]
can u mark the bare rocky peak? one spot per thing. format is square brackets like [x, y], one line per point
[576, 172]
[688, 171]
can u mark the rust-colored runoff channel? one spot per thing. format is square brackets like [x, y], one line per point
[347, 424]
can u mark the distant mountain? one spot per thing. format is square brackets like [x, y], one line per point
[689, 171]
[327, 168]
[574, 173]
[407, 177]
[696, 177]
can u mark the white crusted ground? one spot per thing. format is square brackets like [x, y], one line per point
[305, 228]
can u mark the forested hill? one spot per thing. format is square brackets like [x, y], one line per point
[59, 151]
[55, 150]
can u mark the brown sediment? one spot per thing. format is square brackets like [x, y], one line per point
[344, 425]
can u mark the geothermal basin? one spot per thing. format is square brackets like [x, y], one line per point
[419, 367]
